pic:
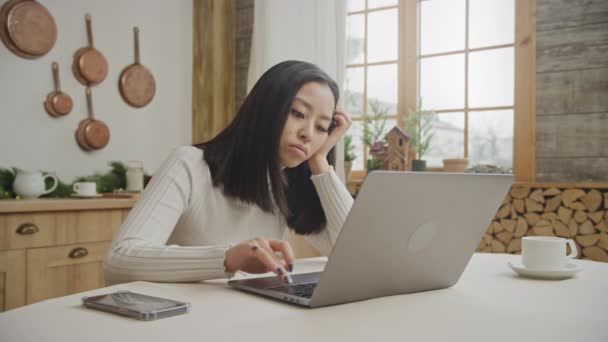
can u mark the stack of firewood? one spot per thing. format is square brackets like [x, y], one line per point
[572, 213]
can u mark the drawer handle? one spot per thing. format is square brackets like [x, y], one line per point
[78, 252]
[27, 229]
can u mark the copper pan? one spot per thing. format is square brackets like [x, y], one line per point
[136, 84]
[96, 132]
[27, 28]
[57, 102]
[90, 66]
[6, 39]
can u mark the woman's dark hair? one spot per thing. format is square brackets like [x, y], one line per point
[243, 158]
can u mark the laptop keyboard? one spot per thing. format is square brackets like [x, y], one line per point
[300, 290]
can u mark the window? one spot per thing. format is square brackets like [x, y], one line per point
[371, 66]
[466, 75]
[456, 56]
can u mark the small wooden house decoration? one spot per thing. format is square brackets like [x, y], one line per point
[394, 153]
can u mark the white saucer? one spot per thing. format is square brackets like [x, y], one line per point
[83, 196]
[567, 272]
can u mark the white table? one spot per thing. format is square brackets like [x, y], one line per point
[489, 303]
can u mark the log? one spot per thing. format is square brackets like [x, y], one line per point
[497, 227]
[595, 253]
[592, 200]
[606, 201]
[571, 195]
[518, 204]
[481, 245]
[561, 230]
[509, 225]
[506, 237]
[504, 211]
[507, 200]
[521, 228]
[553, 203]
[514, 246]
[487, 238]
[606, 216]
[573, 227]
[537, 195]
[498, 247]
[564, 214]
[580, 216]
[520, 192]
[514, 214]
[549, 216]
[596, 217]
[533, 206]
[551, 192]
[586, 228]
[487, 249]
[601, 227]
[532, 218]
[603, 241]
[543, 230]
[577, 206]
[588, 240]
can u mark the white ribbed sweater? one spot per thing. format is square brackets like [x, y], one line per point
[181, 227]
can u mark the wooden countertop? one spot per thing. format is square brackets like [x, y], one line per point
[56, 204]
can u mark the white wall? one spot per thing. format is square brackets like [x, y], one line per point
[31, 139]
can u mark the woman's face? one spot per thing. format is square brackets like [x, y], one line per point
[306, 128]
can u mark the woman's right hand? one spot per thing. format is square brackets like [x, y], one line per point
[258, 256]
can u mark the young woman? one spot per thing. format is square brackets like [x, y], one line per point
[224, 205]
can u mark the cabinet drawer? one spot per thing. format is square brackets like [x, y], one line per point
[26, 230]
[60, 271]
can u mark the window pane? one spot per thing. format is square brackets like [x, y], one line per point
[353, 91]
[491, 22]
[448, 139]
[355, 38]
[355, 5]
[381, 3]
[491, 78]
[442, 82]
[356, 131]
[382, 36]
[382, 88]
[442, 25]
[491, 138]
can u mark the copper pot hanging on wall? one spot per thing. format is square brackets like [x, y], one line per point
[89, 65]
[136, 83]
[27, 28]
[57, 103]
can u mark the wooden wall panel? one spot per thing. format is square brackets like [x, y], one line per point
[580, 47]
[572, 135]
[555, 14]
[573, 170]
[213, 67]
[569, 92]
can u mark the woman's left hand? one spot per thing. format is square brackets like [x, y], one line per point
[343, 122]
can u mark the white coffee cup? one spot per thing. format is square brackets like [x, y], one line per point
[546, 252]
[85, 188]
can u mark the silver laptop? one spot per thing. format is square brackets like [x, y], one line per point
[406, 232]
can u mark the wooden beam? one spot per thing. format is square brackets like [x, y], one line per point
[524, 135]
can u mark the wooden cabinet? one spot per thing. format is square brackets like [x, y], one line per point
[51, 248]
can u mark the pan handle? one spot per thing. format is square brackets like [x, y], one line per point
[56, 76]
[89, 30]
[90, 103]
[136, 33]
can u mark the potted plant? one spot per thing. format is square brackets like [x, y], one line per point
[374, 125]
[349, 155]
[419, 126]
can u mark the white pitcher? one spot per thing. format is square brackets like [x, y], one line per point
[30, 184]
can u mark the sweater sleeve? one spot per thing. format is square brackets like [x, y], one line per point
[336, 202]
[139, 250]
